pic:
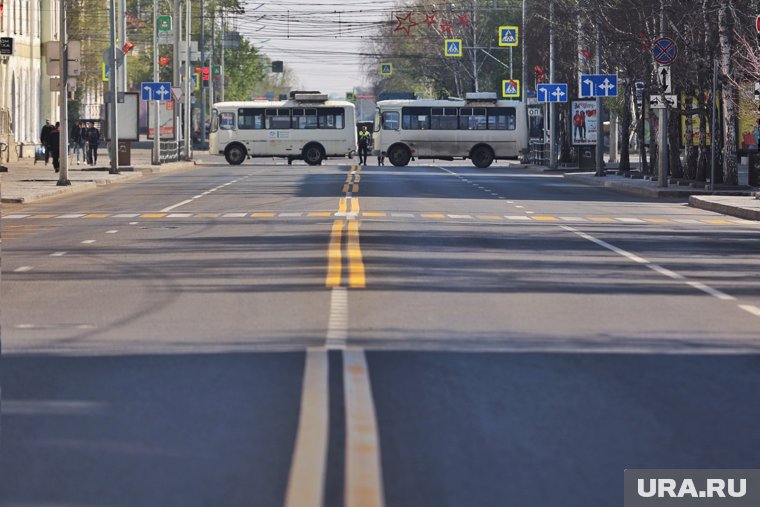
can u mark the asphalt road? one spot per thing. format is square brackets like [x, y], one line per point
[436, 335]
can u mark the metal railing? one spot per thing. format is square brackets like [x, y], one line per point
[539, 153]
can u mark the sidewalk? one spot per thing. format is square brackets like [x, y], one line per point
[740, 202]
[27, 181]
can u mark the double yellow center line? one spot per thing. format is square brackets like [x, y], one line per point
[335, 253]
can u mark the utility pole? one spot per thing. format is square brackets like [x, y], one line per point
[188, 80]
[176, 26]
[552, 123]
[221, 60]
[524, 63]
[63, 146]
[113, 80]
[599, 122]
[156, 154]
[662, 117]
[203, 86]
[211, 65]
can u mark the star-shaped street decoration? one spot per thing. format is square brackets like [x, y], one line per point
[463, 20]
[430, 20]
[405, 23]
[446, 26]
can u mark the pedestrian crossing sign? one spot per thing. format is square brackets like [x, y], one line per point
[508, 35]
[453, 47]
[510, 88]
[386, 69]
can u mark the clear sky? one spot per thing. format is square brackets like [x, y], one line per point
[320, 40]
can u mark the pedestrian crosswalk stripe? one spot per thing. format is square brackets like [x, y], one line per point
[528, 216]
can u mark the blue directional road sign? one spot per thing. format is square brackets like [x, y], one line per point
[156, 91]
[552, 92]
[599, 85]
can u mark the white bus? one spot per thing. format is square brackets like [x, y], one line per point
[307, 127]
[480, 128]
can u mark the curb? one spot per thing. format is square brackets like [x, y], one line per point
[726, 209]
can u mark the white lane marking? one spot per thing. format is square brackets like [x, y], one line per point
[630, 220]
[71, 215]
[364, 478]
[179, 215]
[176, 205]
[516, 217]
[337, 325]
[573, 219]
[666, 272]
[127, 215]
[112, 231]
[519, 207]
[133, 223]
[58, 254]
[16, 216]
[604, 244]
[88, 241]
[459, 216]
[403, 215]
[23, 269]
[754, 310]
[234, 215]
[655, 267]
[197, 196]
[308, 467]
[713, 292]
[686, 221]
[530, 212]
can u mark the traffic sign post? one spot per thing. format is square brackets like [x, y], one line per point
[452, 47]
[598, 85]
[663, 79]
[508, 36]
[552, 92]
[664, 51]
[160, 91]
[510, 88]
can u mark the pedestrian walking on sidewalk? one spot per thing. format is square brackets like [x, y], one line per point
[45, 139]
[93, 140]
[54, 141]
[77, 140]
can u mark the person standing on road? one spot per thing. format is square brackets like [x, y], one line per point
[364, 138]
[45, 139]
[54, 141]
[92, 136]
[76, 140]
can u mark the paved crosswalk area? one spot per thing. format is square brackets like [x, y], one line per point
[263, 215]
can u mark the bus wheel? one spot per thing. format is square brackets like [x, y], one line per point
[235, 154]
[313, 154]
[482, 156]
[399, 155]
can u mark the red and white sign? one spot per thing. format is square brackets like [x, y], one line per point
[757, 24]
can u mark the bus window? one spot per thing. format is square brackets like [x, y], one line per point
[331, 118]
[227, 121]
[415, 118]
[304, 118]
[250, 118]
[502, 118]
[443, 118]
[214, 120]
[472, 118]
[390, 120]
[278, 119]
